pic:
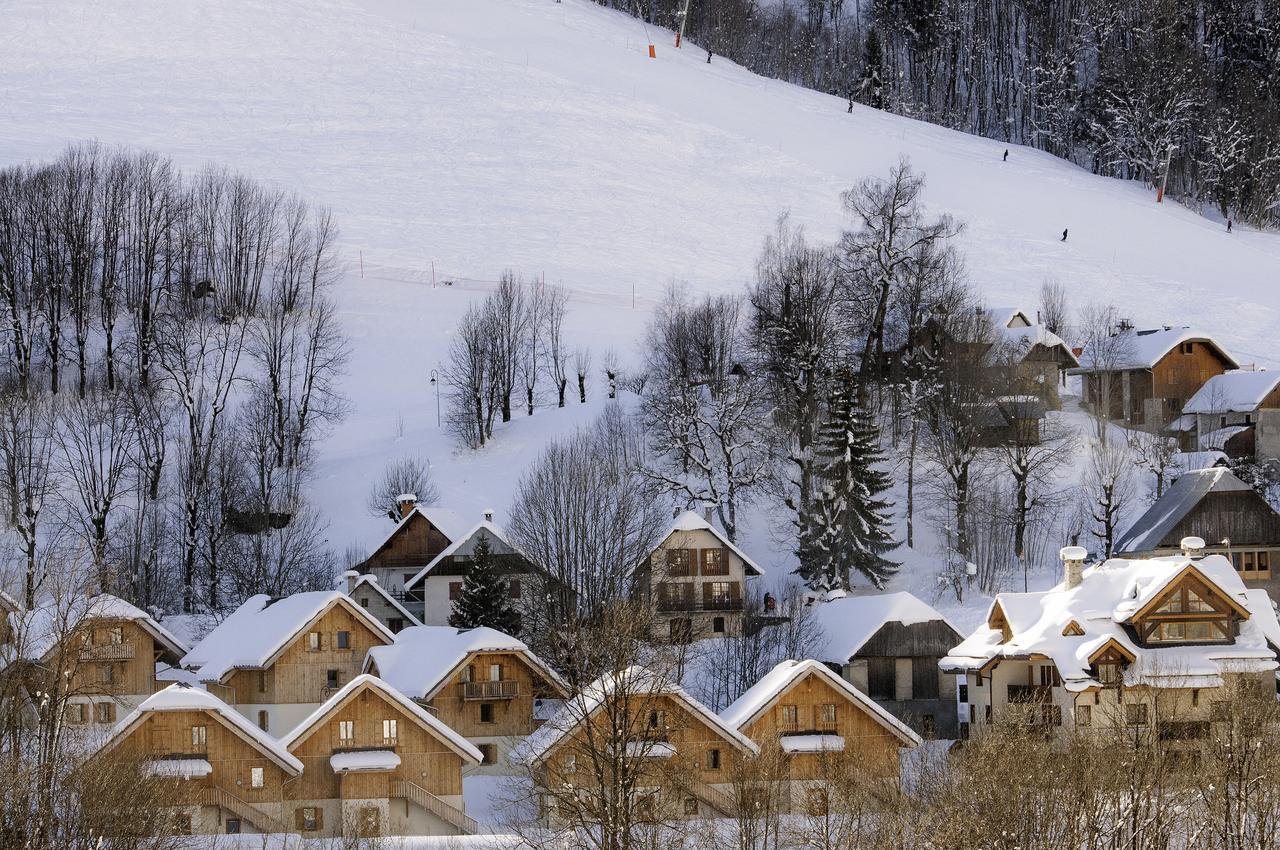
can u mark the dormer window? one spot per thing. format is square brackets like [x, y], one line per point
[1109, 674]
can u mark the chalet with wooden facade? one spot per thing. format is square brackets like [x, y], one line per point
[696, 580]
[372, 597]
[1237, 412]
[105, 652]
[437, 585]
[486, 685]
[1230, 517]
[1040, 358]
[806, 712]
[1117, 641]
[234, 778]
[683, 758]
[376, 763]
[277, 660]
[888, 646]
[1145, 377]
[422, 533]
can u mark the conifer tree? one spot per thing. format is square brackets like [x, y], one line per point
[484, 600]
[848, 527]
[871, 86]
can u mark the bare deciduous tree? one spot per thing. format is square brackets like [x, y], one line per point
[405, 476]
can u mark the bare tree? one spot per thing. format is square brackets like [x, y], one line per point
[1054, 312]
[404, 476]
[1106, 349]
[27, 445]
[609, 366]
[557, 356]
[582, 365]
[469, 379]
[534, 347]
[1154, 453]
[1108, 489]
[507, 321]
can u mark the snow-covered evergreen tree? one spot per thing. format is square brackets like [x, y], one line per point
[871, 86]
[847, 529]
[485, 596]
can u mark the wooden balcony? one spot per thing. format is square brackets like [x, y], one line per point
[712, 604]
[504, 689]
[107, 652]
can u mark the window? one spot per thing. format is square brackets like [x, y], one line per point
[390, 730]
[108, 674]
[1049, 677]
[495, 672]
[331, 678]
[1084, 715]
[255, 777]
[115, 635]
[344, 640]
[104, 712]
[571, 763]
[928, 726]
[199, 739]
[313, 641]
[488, 753]
[1198, 630]
[719, 593]
[309, 818]
[233, 826]
[264, 720]
[486, 712]
[828, 713]
[346, 731]
[987, 713]
[679, 562]
[881, 678]
[262, 681]
[962, 693]
[75, 712]
[816, 802]
[1188, 348]
[658, 720]
[513, 588]
[469, 673]
[396, 624]
[690, 805]
[713, 759]
[717, 625]
[364, 602]
[714, 563]
[681, 630]
[1109, 673]
[455, 590]
[1135, 714]
[789, 716]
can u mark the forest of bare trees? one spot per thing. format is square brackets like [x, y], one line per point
[172, 356]
[1118, 88]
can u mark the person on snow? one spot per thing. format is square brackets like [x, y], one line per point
[1006, 155]
[1228, 225]
[1064, 234]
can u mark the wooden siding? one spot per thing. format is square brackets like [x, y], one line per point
[932, 639]
[413, 544]
[868, 741]
[511, 717]
[132, 661]
[1177, 376]
[424, 759]
[1243, 517]
[299, 675]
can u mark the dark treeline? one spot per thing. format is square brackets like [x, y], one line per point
[1115, 87]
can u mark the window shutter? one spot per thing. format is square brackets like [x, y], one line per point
[111, 712]
[297, 818]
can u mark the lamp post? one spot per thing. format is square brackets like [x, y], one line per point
[436, 383]
[1164, 179]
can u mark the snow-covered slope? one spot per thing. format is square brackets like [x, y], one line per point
[456, 138]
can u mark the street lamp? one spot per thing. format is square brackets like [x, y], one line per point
[436, 383]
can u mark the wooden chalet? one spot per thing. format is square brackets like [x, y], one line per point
[488, 686]
[1237, 412]
[276, 660]
[372, 597]
[421, 533]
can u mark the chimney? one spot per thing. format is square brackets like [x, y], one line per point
[708, 511]
[1192, 547]
[1072, 564]
[488, 514]
[351, 577]
[406, 501]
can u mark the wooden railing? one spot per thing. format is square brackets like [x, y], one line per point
[107, 652]
[241, 809]
[713, 797]
[504, 689]
[420, 796]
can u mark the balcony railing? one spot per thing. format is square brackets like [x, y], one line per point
[504, 689]
[1030, 693]
[107, 652]
[698, 604]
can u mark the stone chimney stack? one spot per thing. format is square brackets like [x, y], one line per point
[1073, 558]
[488, 514]
[407, 502]
[1192, 547]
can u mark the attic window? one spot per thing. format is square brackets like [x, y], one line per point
[1072, 629]
[1188, 348]
[1109, 674]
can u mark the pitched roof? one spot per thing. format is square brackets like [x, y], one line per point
[1108, 597]
[186, 698]
[370, 581]
[448, 522]
[1236, 391]
[364, 681]
[458, 542]
[261, 627]
[40, 628]
[849, 622]
[757, 699]
[1143, 349]
[422, 659]
[693, 521]
[1147, 532]
[635, 679]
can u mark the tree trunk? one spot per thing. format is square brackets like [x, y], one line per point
[582, 389]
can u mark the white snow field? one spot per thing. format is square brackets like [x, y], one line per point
[456, 138]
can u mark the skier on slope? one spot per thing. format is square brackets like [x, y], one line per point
[1064, 234]
[1006, 155]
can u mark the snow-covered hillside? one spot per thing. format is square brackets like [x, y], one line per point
[456, 138]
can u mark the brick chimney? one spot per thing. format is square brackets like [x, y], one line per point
[1073, 558]
[351, 577]
[406, 501]
[1192, 547]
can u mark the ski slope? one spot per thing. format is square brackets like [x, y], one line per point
[456, 138]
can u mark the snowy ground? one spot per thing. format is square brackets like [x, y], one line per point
[456, 139]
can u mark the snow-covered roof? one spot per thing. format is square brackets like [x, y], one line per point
[450, 738]
[39, 630]
[1004, 317]
[422, 659]
[179, 768]
[1184, 462]
[448, 522]
[1236, 391]
[849, 622]
[458, 542]
[693, 521]
[187, 698]
[262, 627]
[1146, 534]
[1102, 606]
[370, 581]
[1023, 340]
[364, 761]
[632, 681]
[812, 744]
[1217, 438]
[764, 693]
[1143, 349]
